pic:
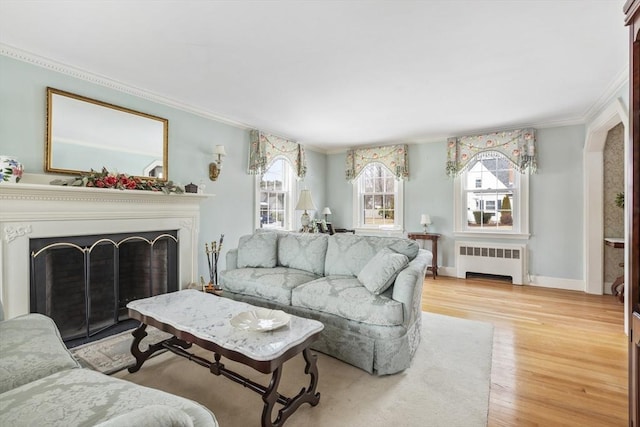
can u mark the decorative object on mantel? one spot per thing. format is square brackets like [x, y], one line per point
[191, 188]
[393, 157]
[213, 253]
[518, 146]
[216, 167]
[10, 169]
[425, 221]
[305, 202]
[121, 181]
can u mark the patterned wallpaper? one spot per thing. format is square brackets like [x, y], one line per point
[613, 215]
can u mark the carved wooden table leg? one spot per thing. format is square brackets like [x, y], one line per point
[306, 395]
[142, 356]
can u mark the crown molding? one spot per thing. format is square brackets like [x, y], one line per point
[78, 73]
[6, 50]
[608, 95]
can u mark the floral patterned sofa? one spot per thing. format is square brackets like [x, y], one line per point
[41, 384]
[365, 289]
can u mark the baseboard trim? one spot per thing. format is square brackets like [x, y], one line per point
[557, 283]
[539, 281]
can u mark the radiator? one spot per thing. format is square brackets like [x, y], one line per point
[492, 258]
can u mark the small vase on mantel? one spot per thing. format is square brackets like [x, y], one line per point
[10, 169]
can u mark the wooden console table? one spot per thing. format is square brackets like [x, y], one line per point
[617, 287]
[434, 248]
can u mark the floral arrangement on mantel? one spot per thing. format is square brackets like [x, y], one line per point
[120, 181]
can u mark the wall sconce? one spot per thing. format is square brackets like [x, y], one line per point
[216, 167]
[425, 221]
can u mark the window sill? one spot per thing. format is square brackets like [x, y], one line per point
[489, 235]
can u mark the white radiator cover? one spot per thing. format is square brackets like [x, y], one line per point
[492, 258]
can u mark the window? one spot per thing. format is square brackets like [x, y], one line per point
[275, 196]
[378, 199]
[492, 197]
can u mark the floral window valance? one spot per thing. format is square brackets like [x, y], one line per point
[519, 146]
[265, 148]
[393, 157]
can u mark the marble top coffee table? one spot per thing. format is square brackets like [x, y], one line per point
[195, 317]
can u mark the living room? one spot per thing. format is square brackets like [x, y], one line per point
[560, 245]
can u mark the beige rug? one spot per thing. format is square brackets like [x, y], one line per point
[113, 354]
[447, 384]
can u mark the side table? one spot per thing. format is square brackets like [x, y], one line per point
[434, 248]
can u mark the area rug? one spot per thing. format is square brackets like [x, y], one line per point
[113, 354]
[447, 384]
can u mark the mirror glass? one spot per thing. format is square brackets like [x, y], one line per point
[85, 134]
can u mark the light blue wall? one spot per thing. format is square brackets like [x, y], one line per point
[555, 200]
[556, 194]
[191, 141]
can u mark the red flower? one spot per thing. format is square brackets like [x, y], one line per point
[110, 181]
[100, 184]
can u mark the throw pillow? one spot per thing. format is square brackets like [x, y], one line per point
[381, 270]
[258, 250]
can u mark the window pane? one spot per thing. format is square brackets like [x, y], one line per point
[377, 196]
[389, 184]
[368, 202]
[274, 192]
[368, 185]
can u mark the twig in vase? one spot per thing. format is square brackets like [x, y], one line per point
[208, 252]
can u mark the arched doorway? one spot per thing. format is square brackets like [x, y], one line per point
[596, 137]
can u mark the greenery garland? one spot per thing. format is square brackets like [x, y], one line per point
[120, 181]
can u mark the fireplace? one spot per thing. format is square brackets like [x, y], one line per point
[85, 282]
[31, 211]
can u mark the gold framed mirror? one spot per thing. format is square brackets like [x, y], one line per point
[85, 134]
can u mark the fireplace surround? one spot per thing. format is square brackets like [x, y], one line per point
[33, 211]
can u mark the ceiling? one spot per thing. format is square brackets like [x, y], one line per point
[344, 73]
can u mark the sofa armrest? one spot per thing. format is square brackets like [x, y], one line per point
[31, 348]
[407, 288]
[232, 259]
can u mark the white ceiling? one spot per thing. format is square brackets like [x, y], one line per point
[333, 74]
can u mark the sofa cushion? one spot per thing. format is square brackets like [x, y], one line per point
[83, 397]
[347, 254]
[303, 252]
[258, 250]
[381, 270]
[274, 284]
[348, 298]
[30, 349]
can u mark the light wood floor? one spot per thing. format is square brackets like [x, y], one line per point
[559, 357]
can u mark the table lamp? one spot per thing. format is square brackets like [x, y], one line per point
[425, 221]
[305, 202]
[326, 212]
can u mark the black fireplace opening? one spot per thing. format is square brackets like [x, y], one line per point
[85, 282]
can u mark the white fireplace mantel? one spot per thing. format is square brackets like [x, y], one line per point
[40, 211]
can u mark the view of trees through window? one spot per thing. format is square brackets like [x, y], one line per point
[490, 186]
[274, 195]
[377, 186]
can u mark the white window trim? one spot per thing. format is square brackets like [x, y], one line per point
[519, 232]
[293, 191]
[397, 229]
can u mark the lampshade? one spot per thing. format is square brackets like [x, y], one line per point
[425, 219]
[305, 202]
[326, 211]
[219, 150]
